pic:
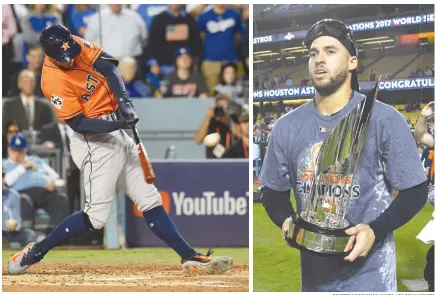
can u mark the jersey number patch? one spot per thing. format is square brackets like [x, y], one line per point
[57, 101]
[90, 86]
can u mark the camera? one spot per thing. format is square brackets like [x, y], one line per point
[232, 109]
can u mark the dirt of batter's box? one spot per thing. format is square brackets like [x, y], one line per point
[116, 277]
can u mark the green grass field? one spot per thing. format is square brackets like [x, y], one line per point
[146, 255]
[277, 267]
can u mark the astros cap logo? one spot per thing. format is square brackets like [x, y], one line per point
[65, 46]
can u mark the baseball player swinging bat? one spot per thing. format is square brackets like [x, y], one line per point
[149, 174]
[89, 99]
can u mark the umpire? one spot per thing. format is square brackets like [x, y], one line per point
[388, 161]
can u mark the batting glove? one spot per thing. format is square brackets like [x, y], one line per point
[128, 112]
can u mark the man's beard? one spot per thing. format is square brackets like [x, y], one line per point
[332, 86]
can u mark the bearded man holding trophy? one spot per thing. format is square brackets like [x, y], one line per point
[342, 153]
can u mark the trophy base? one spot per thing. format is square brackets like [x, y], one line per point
[312, 238]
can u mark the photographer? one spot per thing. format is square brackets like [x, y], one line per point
[240, 148]
[219, 128]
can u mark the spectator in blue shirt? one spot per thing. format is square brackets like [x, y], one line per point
[135, 88]
[12, 230]
[79, 18]
[149, 11]
[219, 26]
[154, 76]
[245, 42]
[32, 176]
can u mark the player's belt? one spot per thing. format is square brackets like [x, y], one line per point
[109, 117]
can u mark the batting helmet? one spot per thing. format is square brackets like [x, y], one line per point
[59, 44]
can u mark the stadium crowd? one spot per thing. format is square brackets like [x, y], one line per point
[164, 51]
[196, 49]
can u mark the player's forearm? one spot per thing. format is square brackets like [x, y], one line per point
[113, 77]
[84, 125]
[403, 208]
[277, 205]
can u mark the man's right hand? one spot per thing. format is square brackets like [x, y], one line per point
[29, 165]
[286, 227]
[11, 225]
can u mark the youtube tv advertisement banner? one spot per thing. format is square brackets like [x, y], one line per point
[207, 200]
[309, 91]
[355, 27]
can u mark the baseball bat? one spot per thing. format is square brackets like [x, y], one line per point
[149, 174]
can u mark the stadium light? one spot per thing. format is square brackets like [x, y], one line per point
[379, 41]
[268, 54]
[259, 52]
[290, 57]
[298, 50]
[375, 38]
[390, 46]
[296, 101]
[425, 43]
[291, 48]
[278, 59]
[257, 61]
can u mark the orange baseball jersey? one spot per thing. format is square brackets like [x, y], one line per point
[79, 90]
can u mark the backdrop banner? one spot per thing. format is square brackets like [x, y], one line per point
[207, 200]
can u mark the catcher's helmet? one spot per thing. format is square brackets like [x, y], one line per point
[59, 44]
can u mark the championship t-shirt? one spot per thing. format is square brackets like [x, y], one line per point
[389, 160]
[220, 30]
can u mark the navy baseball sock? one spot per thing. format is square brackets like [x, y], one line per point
[163, 227]
[70, 227]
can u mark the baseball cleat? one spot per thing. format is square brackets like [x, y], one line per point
[22, 260]
[207, 263]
